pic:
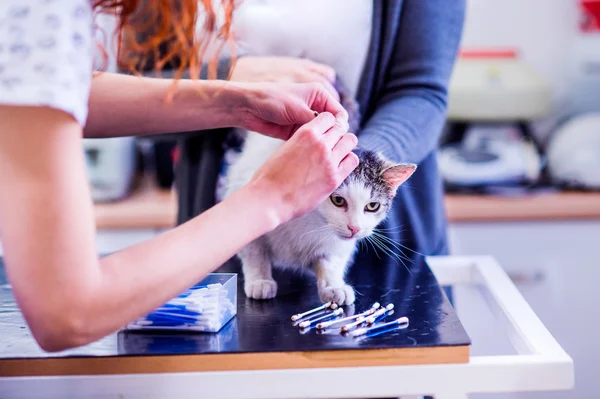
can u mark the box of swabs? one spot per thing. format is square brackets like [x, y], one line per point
[207, 307]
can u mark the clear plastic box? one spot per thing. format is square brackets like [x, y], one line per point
[205, 307]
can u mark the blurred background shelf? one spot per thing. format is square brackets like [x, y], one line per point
[146, 207]
[149, 207]
[561, 206]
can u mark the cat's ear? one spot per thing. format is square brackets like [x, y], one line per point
[397, 174]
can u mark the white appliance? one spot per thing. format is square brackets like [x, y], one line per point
[496, 86]
[490, 156]
[493, 98]
[111, 165]
[574, 152]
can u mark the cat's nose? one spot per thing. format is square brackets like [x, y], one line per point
[353, 229]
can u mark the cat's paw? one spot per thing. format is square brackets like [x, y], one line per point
[341, 295]
[260, 289]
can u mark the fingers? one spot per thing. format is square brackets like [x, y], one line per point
[323, 70]
[343, 147]
[310, 75]
[325, 102]
[315, 77]
[333, 136]
[348, 164]
[321, 123]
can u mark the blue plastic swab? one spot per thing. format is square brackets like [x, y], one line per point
[402, 322]
[310, 323]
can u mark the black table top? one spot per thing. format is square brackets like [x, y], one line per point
[265, 326]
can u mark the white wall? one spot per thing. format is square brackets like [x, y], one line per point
[542, 30]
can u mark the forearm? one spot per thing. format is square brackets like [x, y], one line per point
[124, 105]
[408, 117]
[73, 306]
[405, 130]
[104, 296]
[137, 279]
[68, 296]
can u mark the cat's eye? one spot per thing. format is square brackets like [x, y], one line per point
[337, 200]
[372, 207]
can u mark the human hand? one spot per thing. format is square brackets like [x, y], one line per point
[278, 110]
[307, 168]
[284, 70]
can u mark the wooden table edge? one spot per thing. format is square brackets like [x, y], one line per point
[152, 364]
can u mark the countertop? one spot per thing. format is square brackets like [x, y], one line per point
[148, 207]
[540, 207]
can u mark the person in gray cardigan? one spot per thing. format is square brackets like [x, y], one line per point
[403, 100]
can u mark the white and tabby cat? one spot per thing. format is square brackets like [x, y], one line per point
[325, 239]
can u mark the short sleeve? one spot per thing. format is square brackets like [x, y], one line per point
[46, 54]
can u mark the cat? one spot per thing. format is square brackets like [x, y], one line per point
[325, 239]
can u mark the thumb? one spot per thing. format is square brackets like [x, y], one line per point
[341, 119]
[304, 115]
[321, 123]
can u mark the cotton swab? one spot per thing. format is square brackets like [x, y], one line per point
[328, 324]
[310, 323]
[350, 326]
[371, 319]
[327, 305]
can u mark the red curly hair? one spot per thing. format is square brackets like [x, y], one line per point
[154, 34]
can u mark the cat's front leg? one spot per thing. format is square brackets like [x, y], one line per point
[330, 281]
[256, 266]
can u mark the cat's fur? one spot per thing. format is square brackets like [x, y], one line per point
[320, 240]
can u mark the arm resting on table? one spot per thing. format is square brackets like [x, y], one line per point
[67, 295]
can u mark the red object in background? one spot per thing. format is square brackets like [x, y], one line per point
[489, 53]
[591, 15]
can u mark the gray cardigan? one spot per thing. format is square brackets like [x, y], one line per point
[403, 98]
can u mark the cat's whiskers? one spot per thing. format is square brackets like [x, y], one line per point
[362, 244]
[383, 247]
[394, 244]
[318, 229]
[381, 244]
[403, 246]
[368, 238]
[397, 228]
